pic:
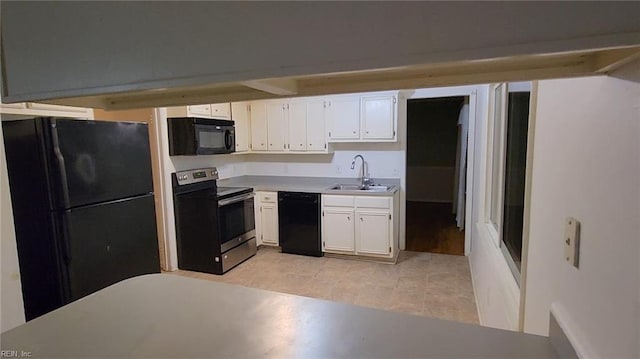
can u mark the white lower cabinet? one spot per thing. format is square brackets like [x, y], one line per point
[337, 230]
[373, 232]
[266, 204]
[360, 225]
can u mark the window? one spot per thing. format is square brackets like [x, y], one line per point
[495, 159]
[507, 157]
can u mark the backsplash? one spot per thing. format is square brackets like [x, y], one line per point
[227, 165]
[381, 164]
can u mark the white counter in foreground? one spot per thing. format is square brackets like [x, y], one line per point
[168, 316]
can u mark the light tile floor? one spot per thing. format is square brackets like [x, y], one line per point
[433, 285]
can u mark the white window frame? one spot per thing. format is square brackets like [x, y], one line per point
[496, 147]
[496, 162]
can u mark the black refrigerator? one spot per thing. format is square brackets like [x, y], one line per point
[83, 206]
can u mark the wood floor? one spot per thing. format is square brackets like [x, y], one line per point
[424, 284]
[431, 227]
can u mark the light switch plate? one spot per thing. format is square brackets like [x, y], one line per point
[572, 242]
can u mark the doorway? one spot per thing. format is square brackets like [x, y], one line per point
[437, 130]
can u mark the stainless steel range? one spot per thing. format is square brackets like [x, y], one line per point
[215, 227]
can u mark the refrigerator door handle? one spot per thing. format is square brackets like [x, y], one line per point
[64, 238]
[61, 164]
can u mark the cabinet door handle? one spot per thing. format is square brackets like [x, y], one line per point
[361, 219]
[348, 218]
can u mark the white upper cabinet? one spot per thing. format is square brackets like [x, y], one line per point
[370, 117]
[307, 126]
[316, 123]
[199, 110]
[45, 109]
[55, 108]
[241, 116]
[217, 110]
[298, 126]
[290, 126]
[343, 118]
[259, 126]
[221, 110]
[378, 117]
[276, 126]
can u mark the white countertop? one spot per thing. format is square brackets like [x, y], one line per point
[168, 316]
[305, 184]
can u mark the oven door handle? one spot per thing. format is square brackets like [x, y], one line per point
[231, 200]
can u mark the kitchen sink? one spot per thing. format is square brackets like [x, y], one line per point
[347, 187]
[354, 187]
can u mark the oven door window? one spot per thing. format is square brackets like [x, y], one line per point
[209, 138]
[236, 219]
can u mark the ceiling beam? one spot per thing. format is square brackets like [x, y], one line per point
[607, 61]
[281, 87]
[522, 68]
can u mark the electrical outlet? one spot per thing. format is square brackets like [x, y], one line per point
[572, 242]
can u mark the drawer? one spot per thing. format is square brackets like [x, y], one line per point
[337, 201]
[373, 202]
[268, 197]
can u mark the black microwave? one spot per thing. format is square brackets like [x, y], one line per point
[189, 136]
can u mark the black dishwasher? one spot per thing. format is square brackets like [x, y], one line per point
[299, 223]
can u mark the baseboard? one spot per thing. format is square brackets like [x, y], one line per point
[564, 335]
[428, 200]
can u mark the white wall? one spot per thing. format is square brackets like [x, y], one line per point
[587, 165]
[381, 163]
[170, 44]
[497, 293]
[12, 308]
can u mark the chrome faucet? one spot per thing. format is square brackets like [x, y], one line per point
[365, 181]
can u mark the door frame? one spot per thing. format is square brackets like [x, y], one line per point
[464, 91]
